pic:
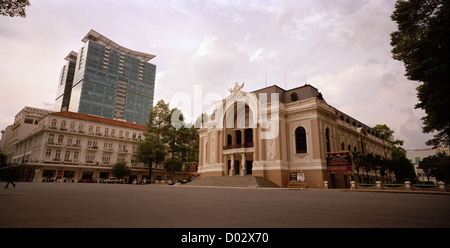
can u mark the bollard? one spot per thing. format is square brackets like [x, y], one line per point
[408, 185]
[353, 185]
[325, 184]
[442, 186]
[378, 184]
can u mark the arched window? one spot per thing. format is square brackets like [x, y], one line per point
[327, 139]
[300, 140]
[342, 146]
[54, 123]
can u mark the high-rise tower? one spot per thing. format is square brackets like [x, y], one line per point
[109, 80]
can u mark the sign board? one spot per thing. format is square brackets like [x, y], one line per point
[297, 179]
[192, 167]
[339, 162]
[192, 171]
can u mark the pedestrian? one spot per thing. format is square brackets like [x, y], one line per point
[10, 179]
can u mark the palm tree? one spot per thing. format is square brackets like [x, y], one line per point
[357, 161]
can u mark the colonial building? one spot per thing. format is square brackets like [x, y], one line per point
[271, 132]
[24, 122]
[68, 146]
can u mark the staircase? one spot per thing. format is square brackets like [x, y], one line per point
[234, 181]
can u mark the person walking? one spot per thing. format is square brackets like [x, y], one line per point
[10, 179]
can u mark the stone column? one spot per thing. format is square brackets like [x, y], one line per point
[231, 165]
[243, 166]
[225, 164]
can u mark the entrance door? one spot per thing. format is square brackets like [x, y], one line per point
[333, 181]
[249, 167]
[237, 168]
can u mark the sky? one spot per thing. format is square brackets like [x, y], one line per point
[203, 47]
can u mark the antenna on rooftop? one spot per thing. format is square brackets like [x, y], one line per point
[265, 75]
[305, 77]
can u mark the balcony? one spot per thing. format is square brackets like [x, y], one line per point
[235, 146]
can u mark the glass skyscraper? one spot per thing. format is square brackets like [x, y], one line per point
[109, 80]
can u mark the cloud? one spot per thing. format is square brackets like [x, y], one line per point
[342, 47]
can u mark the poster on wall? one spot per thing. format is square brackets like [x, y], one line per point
[297, 179]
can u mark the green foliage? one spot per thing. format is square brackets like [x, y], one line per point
[422, 44]
[13, 8]
[387, 134]
[437, 166]
[168, 139]
[120, 170]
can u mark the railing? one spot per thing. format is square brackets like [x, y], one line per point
[245, 145]
[407, 186]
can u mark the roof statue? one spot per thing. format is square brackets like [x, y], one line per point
[236, 88]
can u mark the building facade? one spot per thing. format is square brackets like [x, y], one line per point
[271, 132]
[65, 83]
[24, 122]
[107, 80]
[68, 146]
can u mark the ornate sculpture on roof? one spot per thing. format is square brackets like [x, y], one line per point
[236, 88]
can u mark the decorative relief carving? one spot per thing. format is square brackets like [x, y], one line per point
[271, 155]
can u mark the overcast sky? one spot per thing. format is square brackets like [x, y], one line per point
[341, 46]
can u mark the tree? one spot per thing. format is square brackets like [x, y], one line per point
[120, 170]
[150, 151]
[13, 8]
[153, 149]
[173, 137]
[401, 166]
[442, 170]
[437, 166]
[387, 134]
[422, 44]
[427, 165]
[357, 158]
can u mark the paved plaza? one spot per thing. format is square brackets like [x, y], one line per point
[154, 206]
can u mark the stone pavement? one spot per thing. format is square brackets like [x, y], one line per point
[162, 206]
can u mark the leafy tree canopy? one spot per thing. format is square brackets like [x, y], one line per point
[120, 170]
[422, 44]
[13, 8]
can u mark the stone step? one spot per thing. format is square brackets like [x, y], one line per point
[234, 181]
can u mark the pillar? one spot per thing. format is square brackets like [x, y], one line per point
[231, 165]
[243, 166]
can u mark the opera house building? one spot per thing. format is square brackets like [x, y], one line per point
[272, 132]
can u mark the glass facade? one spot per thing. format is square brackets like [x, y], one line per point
[112, 84]
[65, 86]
